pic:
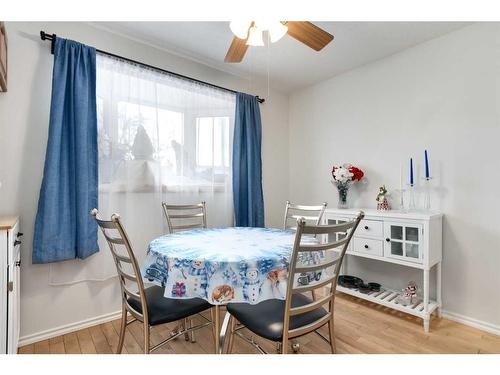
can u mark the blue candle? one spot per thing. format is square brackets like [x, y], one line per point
[427, 175]
[411, 172]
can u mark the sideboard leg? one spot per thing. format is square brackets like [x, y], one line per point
[426, 291]
[438, 289]
[426, 325]
[426, 300]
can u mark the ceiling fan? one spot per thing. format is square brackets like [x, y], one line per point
[249, 33]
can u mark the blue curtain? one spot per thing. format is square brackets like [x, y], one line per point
[63, 227]
[247, 163]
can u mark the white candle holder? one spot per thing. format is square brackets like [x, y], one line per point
[427, 193]
[411, 199]
[401, 206]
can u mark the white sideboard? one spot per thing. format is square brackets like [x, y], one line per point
[10, 263]
[412, 239]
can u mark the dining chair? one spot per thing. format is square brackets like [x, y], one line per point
[293, 212]
[146, 305]
[185, 216]
[312, 214]
[297, 315]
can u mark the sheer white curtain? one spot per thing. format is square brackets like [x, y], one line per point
[160, 138]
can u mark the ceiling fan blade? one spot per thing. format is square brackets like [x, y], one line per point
[309, 34]
[236, 51]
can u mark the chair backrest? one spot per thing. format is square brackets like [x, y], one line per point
[312, 214]
[307, 261]
[129, 273]
[185, 216]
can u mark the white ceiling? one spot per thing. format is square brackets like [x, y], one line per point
[291, 64]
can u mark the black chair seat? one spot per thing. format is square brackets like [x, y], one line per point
[164, 310]
[266, 318]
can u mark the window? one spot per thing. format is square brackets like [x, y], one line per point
[212, 142]
[158, 132]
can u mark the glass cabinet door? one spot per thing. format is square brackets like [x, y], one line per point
[403, 241]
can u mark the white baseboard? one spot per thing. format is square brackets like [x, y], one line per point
[61, 330]
[471, 322]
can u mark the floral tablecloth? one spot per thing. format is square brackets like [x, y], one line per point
[225, 265]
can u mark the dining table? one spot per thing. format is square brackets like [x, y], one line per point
[226, 265]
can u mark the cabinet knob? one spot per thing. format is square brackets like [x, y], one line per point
[18, 263]
[17, 242]
[366, 227]
[388, 239]
[19, 234]
[366, 246]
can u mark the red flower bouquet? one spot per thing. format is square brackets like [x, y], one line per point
[343, 175]
[346, 173]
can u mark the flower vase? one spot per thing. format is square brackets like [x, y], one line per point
[343, 188]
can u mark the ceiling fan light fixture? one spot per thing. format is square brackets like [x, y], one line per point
[276, 31]
[255, 37]
[304, 32]
[262, 24]
[240, 28]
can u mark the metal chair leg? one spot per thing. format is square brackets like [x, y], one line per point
[332, 336]
[284, 346]
[216, 323]
[146, 338]
[232, 326]
[123, 326]
[226, 323]
[212, 318]
[185, 325]
[175, 330]
[193, 337]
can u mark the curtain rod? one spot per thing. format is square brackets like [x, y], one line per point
[52, 38]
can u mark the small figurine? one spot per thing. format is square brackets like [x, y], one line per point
[382, 204]
[409, 295]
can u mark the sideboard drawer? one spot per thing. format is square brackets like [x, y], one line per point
[368, 246]
[370, 228]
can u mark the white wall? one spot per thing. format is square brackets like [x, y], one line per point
[442, 95]
[24, 114]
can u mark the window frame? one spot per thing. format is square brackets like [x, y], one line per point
[223, 166]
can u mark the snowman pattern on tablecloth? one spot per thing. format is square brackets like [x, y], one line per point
[253, 277]
[252, 285]
[197, 278]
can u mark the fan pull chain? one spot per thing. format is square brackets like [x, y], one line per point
[250, 66]
[268, 46]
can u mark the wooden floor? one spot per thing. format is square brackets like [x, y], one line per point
[361, 327]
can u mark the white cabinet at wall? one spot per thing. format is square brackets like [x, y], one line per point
[412, 239]
[10, 261]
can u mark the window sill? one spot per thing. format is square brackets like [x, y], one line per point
[165, 189]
